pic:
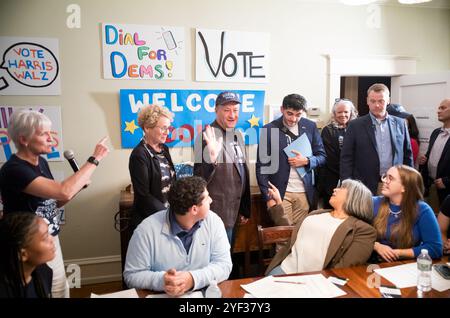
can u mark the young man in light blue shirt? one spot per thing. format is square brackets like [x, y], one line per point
[182, 248]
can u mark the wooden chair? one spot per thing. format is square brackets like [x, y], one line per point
[271, 236]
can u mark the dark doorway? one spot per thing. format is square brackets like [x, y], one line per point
[355, 88]
[364, 82]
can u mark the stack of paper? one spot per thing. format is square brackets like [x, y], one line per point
[307, 286]
[129, 293]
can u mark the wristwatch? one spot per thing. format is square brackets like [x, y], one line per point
[92, 160]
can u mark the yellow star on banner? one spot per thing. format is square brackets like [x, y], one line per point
[254, 121]
[131, 126]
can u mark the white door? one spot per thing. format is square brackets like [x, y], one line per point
[421, 95]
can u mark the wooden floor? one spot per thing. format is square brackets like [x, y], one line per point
[103, 288]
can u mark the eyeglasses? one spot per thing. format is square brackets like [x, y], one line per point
[386, 178]
[163, 129]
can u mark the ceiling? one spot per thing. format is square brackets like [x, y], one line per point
[437, 4]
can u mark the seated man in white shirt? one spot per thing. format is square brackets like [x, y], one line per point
[182, 248]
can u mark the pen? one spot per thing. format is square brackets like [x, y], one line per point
[288, 282]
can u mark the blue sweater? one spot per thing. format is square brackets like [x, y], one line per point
[426, 232]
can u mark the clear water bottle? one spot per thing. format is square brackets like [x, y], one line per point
[424, 271]
[213, 290]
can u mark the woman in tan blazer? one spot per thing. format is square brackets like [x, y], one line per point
[340, 237]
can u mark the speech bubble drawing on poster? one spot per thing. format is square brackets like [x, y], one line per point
[30, 64]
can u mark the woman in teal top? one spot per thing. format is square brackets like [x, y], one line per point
[405, 224]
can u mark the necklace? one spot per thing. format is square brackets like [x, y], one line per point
[395, 214]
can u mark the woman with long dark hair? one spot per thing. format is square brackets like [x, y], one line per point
[25, 247]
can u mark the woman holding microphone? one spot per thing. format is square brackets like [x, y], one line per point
[27, 185]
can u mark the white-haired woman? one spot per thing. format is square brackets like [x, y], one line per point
[151, 168]
[342, 112]
[340, 237]
[27, 185]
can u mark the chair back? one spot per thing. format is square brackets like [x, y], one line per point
[268, 239]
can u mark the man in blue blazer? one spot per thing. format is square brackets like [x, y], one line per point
[435, 165]
[375, 142]
[273, 165]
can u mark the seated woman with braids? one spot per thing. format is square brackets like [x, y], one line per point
[25, 247]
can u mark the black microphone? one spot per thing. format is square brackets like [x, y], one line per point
[69, 155]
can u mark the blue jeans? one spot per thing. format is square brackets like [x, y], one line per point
[276, 271]
[230, 232]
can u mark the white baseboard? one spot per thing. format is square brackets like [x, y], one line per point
[101, 279]
[95, 270]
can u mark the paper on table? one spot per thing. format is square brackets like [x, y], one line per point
[302, 145]
[404, 276]
[312, 286]
[195, 294]
[129, 293]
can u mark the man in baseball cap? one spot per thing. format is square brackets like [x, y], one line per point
[223, 164]
[227, 97]
[227, 110]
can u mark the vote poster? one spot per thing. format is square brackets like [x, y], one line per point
[29, 66]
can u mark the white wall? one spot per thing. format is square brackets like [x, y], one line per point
[301, 34]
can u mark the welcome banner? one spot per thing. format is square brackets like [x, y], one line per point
[193, 109]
